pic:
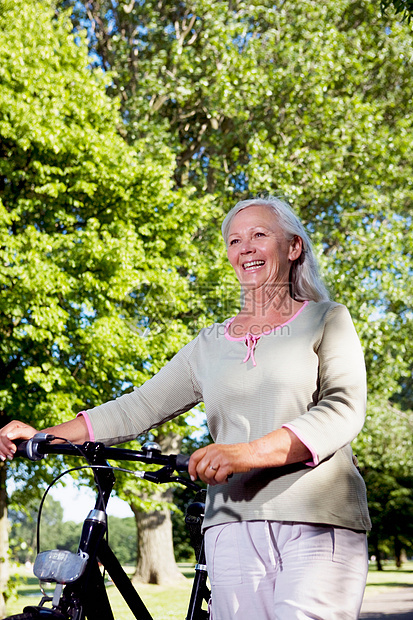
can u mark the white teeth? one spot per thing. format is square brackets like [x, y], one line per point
[252, 264]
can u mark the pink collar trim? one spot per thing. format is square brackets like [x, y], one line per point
[228, 337]
[252, 339]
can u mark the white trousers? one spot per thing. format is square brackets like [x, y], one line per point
[270, 570]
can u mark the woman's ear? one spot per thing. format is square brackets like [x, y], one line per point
[296, 248]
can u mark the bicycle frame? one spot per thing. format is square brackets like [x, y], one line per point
[86, 596]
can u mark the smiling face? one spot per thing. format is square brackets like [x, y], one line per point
[258, 249]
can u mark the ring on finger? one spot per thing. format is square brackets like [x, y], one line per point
[213, 468]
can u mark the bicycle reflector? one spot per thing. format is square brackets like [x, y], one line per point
[59, 566]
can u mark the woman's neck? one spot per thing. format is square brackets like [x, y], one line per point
[264, 310]
[266, 300]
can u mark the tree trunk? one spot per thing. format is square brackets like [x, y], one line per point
[377, 553]
[4, 540]
[399, 552]
[155, 551]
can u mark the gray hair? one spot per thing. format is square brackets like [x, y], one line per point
[305, 281]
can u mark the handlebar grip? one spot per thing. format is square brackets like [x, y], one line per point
[20, 447]
[182, 462]
[30, 448]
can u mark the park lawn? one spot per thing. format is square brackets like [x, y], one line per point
[390, 577]
[163, 602]
[170, 602]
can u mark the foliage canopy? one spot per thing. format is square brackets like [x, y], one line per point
[122, 145]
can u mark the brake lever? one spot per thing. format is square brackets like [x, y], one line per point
[186, 482]
[165, 475]
[161, 475]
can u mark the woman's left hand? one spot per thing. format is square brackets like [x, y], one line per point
[216, 462]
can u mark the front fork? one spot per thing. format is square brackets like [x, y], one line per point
[200, 591]
[74, 600]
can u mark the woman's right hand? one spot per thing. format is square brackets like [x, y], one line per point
[9, 433]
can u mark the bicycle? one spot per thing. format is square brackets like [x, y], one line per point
[80, 591]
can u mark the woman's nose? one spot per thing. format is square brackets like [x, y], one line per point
[246, 247]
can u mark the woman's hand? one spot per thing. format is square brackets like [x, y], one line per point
[74, 430]
[214, 463]
[9, 433]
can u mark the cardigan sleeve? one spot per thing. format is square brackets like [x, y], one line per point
[172, 391]
[338, 413]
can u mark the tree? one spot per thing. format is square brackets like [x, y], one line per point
[386, 462]
[94, 243]
[307, 100]
[220, 80]
[122, 539]
[151, 506]
[184, 540]
[58, 534]
[399, 6]
[23, 533]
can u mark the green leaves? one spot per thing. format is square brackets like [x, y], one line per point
[95, 245]
[308, 101]
[385, 457]
[399, 6]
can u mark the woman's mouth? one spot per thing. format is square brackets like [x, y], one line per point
[253, 264]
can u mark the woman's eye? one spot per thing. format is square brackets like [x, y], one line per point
[233, 241]
[260, 234]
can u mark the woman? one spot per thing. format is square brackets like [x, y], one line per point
[283, 384]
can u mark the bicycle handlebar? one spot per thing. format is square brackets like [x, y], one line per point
[40, 445]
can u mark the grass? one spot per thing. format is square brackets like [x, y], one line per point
[390, 577]
[170, 602]
[163, 602]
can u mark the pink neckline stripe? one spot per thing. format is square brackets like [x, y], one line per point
[228, 337]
